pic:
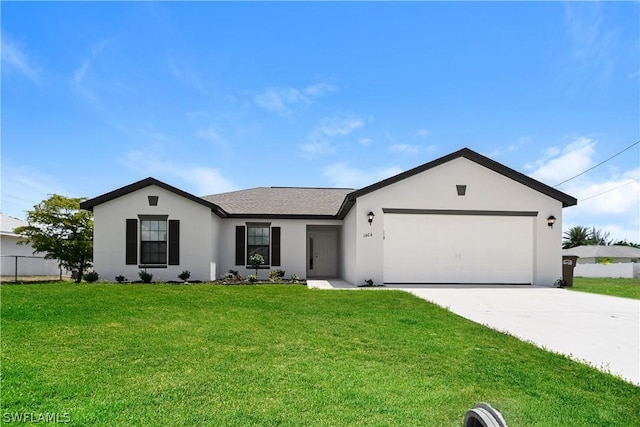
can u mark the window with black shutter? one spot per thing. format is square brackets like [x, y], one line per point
[240, 244]
[131, 242]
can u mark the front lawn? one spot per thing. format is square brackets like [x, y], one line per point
[140, 355]
[627, 288]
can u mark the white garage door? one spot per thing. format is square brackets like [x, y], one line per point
[433, 248]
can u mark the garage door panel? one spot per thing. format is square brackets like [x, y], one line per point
[458, 249]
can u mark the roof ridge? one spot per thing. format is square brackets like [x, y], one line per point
[312, 188]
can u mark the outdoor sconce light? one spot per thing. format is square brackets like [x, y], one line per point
[370, 216]
[551, 220]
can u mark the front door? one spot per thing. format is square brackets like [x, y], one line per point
[322, 253]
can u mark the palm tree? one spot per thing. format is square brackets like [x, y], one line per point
[577, 236]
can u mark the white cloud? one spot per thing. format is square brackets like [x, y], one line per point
[617, 195]
[340, 125]
[280, 100]
[15, 59]
[343, 175]
[405, 148]
[80, 73]
[365, 141]
[24, 187]
[315, 149]
[616, 204]
[557, 165]
[186, 74]
[210, 134]
[285, 100]
[319, 89]
[511, 148]
[422, 133]
[320, 140]
[592, 41]
[200, 180]
[208, 180]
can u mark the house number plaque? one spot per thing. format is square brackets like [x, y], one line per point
[365, 235]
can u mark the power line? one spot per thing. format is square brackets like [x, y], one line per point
[609, 190]
[599, 164]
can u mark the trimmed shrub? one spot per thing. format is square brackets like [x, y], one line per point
[184, 276]
[145, 277]
[91, 276]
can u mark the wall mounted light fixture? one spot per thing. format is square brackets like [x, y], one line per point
[370, 216]
[551, 220]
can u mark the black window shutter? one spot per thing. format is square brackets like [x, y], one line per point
[174, 242]
[239, 244]
[131, 243]
[275, 246]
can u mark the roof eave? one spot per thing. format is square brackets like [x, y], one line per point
[91, 203]
[282, 216]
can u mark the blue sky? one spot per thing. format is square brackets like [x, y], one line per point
[212, 97]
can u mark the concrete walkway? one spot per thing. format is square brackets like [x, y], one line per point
[599, 330]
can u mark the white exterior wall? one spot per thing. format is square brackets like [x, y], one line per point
[293, 245]
[197, 225]
[436, 189]
[348, 268]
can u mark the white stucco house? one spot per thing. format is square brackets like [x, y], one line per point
[462, 218]
[593, 254]
[19, 259]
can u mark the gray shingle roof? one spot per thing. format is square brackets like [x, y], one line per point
[282, 201]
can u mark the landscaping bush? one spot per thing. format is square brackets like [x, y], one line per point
[232, 276]
[276, 276]
[184, 276]
[91, 277]
[145, 277]
[121, 279]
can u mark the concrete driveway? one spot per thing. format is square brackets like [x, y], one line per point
[599, 330]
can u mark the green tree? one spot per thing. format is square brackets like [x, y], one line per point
[256, 260]
[59, 228]
[600, 237]
[626, 243]
[576, 236]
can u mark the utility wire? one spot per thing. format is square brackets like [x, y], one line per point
[609, 190]
[599, 164]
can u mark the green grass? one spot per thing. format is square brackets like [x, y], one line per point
[140, 355]
[627, 288]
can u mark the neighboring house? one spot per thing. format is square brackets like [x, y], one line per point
[593, 254]
[22, 256]
[606, 261]
[462, 218]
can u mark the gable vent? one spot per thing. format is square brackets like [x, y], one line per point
[461, 189]
[153, 200]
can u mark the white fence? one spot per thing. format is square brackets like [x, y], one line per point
[627, 270]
